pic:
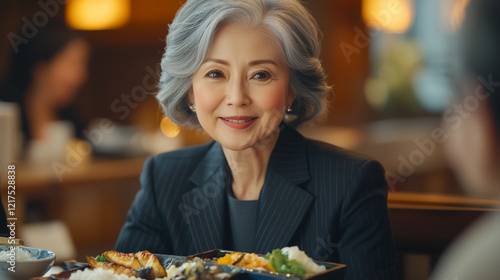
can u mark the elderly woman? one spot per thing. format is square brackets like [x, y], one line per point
[247, 72]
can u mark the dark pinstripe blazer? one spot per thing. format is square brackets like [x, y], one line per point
[330, 203]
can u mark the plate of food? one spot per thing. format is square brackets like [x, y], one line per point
[285, 263]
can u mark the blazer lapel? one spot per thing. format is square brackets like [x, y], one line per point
[207, 203]
[283, 204]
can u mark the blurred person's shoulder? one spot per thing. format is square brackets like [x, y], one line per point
[475, 254]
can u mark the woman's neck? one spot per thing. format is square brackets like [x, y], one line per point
[39, 113]
[249, 168]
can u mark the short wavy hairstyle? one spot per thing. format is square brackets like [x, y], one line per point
[191, 33]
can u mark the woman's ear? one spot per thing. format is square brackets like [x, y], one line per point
[191, 95]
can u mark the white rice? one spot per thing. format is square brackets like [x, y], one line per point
[99, 274]
[294, 253]
[20, 255]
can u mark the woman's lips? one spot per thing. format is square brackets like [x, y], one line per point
[238, 122]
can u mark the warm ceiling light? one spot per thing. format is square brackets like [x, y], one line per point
[392, 16]
[97, 14]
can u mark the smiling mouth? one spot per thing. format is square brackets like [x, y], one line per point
[238, 121]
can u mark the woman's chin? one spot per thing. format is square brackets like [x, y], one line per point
[244, 143]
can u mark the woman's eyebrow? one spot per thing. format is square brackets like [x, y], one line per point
[263, 61]
[216, 60]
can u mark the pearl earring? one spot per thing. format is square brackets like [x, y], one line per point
[289, 109]
[192, 107]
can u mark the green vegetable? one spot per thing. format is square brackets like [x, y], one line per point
[101, 258]
[282, 264]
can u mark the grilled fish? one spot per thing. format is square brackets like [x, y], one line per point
[127, 260]
[118, 269]
[147, 259]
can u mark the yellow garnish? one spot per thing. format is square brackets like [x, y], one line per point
[248, 260]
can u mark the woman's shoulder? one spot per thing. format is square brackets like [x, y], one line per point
[295, 140]
[325, 154]
[318, 148]
[182, 159]
[178, 164]
[350, 161]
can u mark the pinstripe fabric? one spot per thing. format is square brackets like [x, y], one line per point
[329, 202]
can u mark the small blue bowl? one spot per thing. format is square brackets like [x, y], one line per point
[41, 263]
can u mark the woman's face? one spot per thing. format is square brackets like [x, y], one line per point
[241, 91]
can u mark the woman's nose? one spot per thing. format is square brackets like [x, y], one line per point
[237, 93]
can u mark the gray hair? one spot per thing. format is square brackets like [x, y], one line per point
[193, 29]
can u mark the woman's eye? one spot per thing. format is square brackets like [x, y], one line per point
[215, 74]
[262, 75]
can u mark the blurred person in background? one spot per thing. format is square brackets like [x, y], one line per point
[44, 77]
[474, 145]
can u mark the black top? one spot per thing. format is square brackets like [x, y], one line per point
[243, 218]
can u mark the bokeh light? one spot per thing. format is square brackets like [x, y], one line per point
[168, 128]
[392, 16]
[97, 14]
